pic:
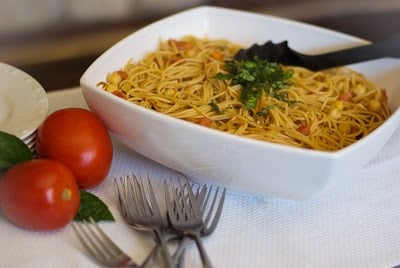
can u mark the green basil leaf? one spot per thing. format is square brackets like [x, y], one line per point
[12, 151]
[93, 207]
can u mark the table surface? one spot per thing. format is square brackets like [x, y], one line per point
[62, 64]
[354, 225]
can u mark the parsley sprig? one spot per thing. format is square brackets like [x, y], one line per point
[255, 76]
[216, 108]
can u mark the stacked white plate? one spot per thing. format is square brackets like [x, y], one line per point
[23, 104]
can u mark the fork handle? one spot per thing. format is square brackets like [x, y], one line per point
[203, 254]
[164, 249]
[181, 247]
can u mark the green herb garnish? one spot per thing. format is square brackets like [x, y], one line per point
[217, 109]
[265, 110]
[12, 151]
[94, 207]
[214, 106]
[256, 76]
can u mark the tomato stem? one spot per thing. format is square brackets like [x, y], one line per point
[66, 194]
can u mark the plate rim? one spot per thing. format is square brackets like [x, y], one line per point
[33, 117]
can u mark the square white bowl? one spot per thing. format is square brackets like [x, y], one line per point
[239, 163]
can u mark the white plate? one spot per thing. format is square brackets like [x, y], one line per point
[23, 102]
[30, 137]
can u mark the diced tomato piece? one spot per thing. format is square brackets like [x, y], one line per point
[119, 93]
[123, 75]
[181, 45]
[172, 59]
[216, 54]
[304, 129]
[345, 96]
[204, 121]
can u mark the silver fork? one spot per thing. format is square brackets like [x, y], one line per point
[186, 215]
[210, 219]
[139, 208]
[102, 249]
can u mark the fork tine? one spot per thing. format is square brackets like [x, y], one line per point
[140, 196]
[193, 207]
[181, 197]
[122, 193]
[203, 204]
[136, 194]
[188, 206]
[152, 197]
[211, 207]
[83, 237]
[106, 242]
[180, 200]
[168, 200]
[99, 245]
[120, 196]
[209, 227]
[201, 194]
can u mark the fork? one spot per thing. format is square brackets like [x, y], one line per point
[211, 219]
[102, 249]
[186, 216]
[139, 208]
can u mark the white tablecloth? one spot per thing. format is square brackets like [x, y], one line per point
[356, 224]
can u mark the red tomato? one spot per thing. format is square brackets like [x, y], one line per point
[78, 139]
[39, 194]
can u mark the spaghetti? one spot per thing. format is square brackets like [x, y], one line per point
[327, 110]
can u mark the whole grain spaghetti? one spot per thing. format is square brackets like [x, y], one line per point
[325, 110]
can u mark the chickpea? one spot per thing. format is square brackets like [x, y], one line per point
[335, 113]
[374, 105]
[359, 89]
[114, 78]
[339, 105]
[111, 87]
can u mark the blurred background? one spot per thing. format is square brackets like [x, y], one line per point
[56, 40]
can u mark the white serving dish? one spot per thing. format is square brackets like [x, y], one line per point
[241, 164]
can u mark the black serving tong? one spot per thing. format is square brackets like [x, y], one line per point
[282, 53]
